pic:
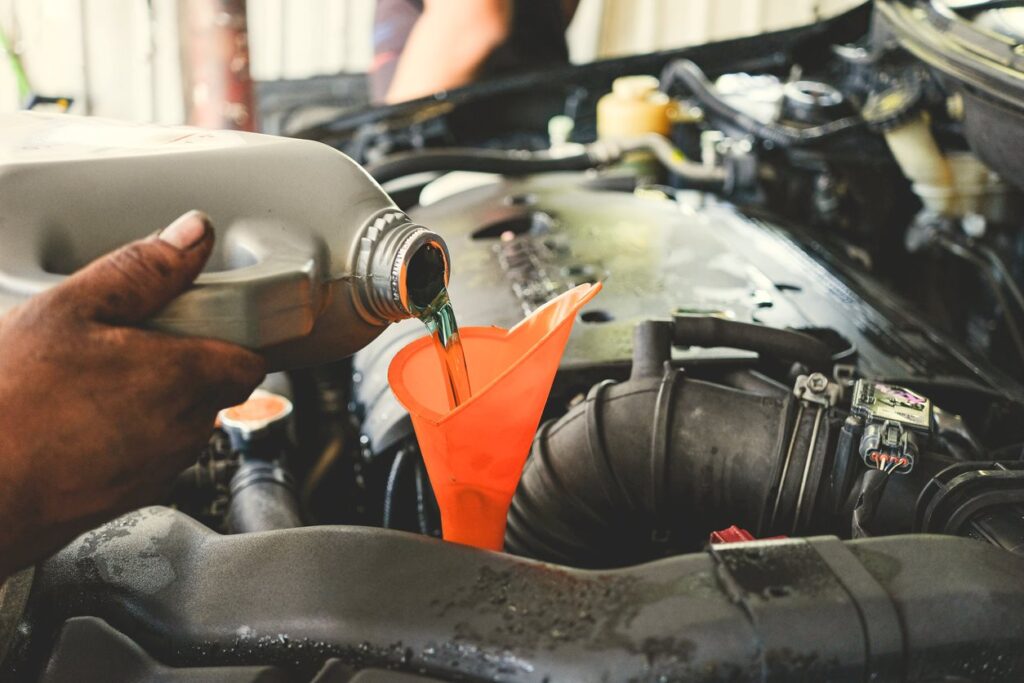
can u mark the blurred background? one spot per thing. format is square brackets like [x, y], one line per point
[152, 60]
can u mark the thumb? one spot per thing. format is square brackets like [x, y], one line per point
[135, 282]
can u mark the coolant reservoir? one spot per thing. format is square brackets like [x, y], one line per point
[313, 259]
[634, 107]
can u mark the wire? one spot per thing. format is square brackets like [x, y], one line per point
[1007, 279]
[871, 489]
[423, 490]
[849, 353]
[995, 282]
[693, 79]
[392, 486]
[330, 454]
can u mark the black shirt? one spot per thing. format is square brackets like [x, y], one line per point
[536, 39]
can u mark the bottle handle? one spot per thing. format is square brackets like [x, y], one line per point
[269, 288]
[269, 291]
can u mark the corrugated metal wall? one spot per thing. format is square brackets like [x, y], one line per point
[120, 58]
[117, 58]
[292, 39]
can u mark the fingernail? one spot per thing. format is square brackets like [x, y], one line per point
[187, 231]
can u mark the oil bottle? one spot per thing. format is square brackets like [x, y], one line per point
[313, 259]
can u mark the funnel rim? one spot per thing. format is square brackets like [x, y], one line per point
[405, 398]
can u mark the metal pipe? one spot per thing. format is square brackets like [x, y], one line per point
[215, 64]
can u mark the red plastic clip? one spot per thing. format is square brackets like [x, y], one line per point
[734, 534]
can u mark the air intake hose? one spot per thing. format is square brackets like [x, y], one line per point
[649, 466]
[262, 499]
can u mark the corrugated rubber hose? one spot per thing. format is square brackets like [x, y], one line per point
[649, 466]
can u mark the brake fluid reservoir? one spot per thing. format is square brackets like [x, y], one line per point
[635, 106]
[313, 259]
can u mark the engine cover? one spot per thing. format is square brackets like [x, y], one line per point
[516, 243]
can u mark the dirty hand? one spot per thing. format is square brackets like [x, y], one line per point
[97, 416]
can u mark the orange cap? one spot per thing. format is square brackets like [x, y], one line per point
[261, 410]
[475, 453]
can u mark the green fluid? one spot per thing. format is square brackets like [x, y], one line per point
[439, 317]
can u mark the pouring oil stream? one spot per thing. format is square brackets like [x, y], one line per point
[439, 318]
[429, 301]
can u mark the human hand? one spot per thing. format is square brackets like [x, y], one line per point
[97, 415]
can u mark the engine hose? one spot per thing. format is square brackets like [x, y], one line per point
[506, 162]
[262, 499]
[650, 466]
[691, 175]
[787, 345]
[693, 80]
[599, 490]
[519, 162]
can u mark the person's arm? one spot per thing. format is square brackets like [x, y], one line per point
[97, 415]
[448, 45]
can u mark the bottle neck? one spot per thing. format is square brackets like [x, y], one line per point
[400, 267]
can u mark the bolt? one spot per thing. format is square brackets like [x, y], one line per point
[817, 382]
[973, 225]
[955, 106]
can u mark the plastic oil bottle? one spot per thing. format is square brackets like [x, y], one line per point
[313, 259]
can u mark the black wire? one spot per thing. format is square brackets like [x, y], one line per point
[1010, 452]
[391, 487]
[421, 502]
[872, 486]
[956, 450]
[693, 79]
[969, 9]
[1005, 277]
[991, 273]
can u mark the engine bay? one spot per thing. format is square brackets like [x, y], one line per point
[784, 442]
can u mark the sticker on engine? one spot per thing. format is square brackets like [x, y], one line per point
[877, 401]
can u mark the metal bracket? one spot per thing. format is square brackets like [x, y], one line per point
[816, 388]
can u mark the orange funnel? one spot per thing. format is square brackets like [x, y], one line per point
[475, 453]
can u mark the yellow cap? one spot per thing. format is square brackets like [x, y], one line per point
[634, 87]
[635, 106]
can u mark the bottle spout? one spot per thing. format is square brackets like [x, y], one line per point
[475, 453]
[399, 268]
[424, 276]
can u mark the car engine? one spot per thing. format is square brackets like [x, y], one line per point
[784, 442]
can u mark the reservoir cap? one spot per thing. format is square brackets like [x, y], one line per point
[890, 108]
[259, 414]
